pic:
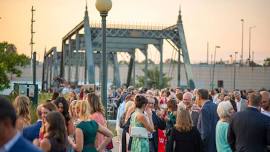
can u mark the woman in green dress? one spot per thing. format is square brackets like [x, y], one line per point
[142, 117]
[86, 131]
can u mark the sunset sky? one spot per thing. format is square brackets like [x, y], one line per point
[216, 21]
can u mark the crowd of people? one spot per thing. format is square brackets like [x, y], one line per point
[148, 120]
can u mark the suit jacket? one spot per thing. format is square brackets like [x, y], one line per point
[158, 124]
[207, 121]
[194, 117]
[243, 104]
[31, 132]
[249, 131]
[23, 145]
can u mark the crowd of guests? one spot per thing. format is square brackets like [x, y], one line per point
[176, 120]
[148, 120]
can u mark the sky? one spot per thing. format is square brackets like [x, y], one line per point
[214, 21]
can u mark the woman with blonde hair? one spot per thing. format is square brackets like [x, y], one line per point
[86, 131]
[22, 106]
[97, 113]
[225, 111]
[183, 136]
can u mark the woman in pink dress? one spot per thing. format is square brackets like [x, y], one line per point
[97, 113]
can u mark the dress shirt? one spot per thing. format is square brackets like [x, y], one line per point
[10, 143]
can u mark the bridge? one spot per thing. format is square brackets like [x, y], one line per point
[81, 47]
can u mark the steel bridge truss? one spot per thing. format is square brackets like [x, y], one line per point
[84, 49]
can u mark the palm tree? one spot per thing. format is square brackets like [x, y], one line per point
[153, 79]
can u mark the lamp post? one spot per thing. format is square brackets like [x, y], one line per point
[249, 44]
[104, 6]
[213, 73]
[234, 71]
[242, 46]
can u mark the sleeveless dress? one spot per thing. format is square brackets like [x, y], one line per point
[99, 118]
[89, 129]
[138, 144]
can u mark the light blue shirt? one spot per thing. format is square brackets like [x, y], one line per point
[221, 137]
[10, 143]
[120, 112]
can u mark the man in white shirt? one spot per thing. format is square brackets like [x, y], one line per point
[265, 103]
[241, 103]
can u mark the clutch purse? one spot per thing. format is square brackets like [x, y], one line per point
[138, 132]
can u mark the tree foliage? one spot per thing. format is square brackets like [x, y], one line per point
[10, 62]
[266, 62]
[153, 79]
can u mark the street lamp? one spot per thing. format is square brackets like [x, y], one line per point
[104, 6]
[213, 73]
[249, 56]
[242, 20]
[234, 71]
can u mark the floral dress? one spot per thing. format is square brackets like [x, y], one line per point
[138, 144]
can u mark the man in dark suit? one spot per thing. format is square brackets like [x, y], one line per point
[10, 139]
[32, 132]
[249, 130]
[187, 100]
[207, 121]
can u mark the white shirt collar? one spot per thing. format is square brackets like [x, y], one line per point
[11, 142]
[267, 113]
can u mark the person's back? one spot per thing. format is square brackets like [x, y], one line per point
[207, 121]
[250, 130]
[187, 141]
[89, 129]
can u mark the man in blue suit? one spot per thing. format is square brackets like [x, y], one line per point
[207, 121]
[32, 132]
[249, 130]
[10, 139]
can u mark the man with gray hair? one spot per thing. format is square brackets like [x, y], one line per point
[249, 130]
[187, 101]
[241, 104]
[265, 103]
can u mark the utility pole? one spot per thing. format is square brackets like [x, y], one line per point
[32, 31]
[249, 44]
[207, 53]
[242, 46]
[234, 71]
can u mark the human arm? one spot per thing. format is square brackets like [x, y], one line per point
[78, 144]
[107, 133]
[205, 127]
[146, 120]
[231, 136]
[45, 145]
[158, 122]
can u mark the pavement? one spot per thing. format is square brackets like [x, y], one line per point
[115, 144]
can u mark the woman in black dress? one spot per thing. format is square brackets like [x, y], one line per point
[184, 137]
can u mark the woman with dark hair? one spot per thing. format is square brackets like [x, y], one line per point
[55, 95]
[63, 108]
[55, 140]
[141, 124]
[45, 109]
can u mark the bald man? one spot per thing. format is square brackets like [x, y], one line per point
[265, 106]
[187, 100]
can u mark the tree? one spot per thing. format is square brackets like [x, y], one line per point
[266, 62]
[153, 79]
[10, 62]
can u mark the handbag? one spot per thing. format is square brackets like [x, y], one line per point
[110, 145]
[139, 132]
